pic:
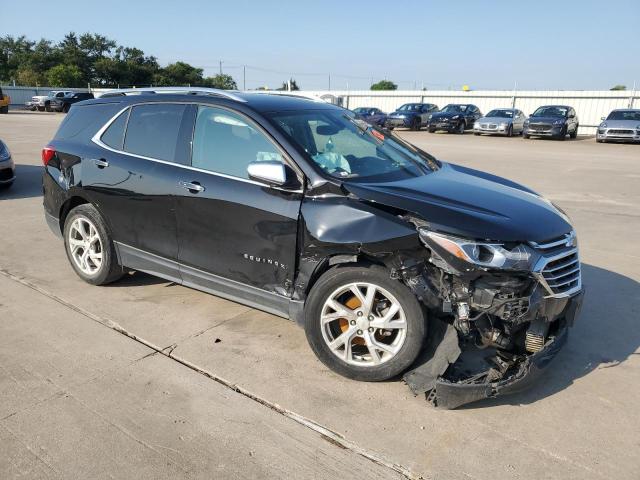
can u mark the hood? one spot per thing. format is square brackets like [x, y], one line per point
[630, 124]
[446, 114]
[471, 204]
[550, 120]
[497, 120]
[404, 113]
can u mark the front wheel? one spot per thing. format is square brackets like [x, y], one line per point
[415, 125]
[363, 325]
[574, 134]
[510, 131]
[89, 246]
[460, 128]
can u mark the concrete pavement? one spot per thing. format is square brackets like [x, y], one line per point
[80, 400]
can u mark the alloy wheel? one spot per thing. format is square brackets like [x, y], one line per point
[363, 324]
[85, 246]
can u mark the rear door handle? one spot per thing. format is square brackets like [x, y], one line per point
[100, 163]
[193, 187]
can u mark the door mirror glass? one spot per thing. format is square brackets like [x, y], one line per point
[272, 173]
[603, 118]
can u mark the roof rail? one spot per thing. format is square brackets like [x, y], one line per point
[231, 95]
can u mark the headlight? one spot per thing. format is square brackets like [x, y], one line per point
[5, 154]
[603, 125]
[504, 124]
[638, 127]
[455, 117]
[489, 255]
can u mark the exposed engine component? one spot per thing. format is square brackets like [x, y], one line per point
[535, 336]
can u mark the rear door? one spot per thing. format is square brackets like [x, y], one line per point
[231, 228]
[133, 179]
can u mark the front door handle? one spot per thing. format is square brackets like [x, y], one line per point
[193, 187]
[100, 162]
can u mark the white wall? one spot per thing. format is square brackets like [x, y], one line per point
[590, 105]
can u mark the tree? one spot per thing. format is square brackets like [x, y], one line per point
[384, 85]
[27, 76]
[179, 73]
[618, 87]
[285, 86]
[222, 81]
[65, 76]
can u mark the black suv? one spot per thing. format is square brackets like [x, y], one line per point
[297, 208]
[63, 104]
[454, 118]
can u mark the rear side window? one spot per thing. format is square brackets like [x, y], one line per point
[82, 123]
[225, 142]
[153, 130]
[114, 135]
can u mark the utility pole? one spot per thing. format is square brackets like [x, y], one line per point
[220, 67]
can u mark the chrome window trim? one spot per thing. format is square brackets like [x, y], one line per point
[98, 141]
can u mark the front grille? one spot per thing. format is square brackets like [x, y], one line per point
[540, 127]
[620, 131]
[559, 267]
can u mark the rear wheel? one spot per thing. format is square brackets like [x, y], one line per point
[362, 324]
[89, 246]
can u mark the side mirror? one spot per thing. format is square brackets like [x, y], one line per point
[603, 118]
[273, 173]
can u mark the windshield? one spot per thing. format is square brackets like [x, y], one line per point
[360, 110]
[350, 149]
[454, 108]
[625, 115]
[409, 107]
[550, 112]
[500, 113]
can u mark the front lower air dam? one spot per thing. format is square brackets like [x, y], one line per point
[492, 331]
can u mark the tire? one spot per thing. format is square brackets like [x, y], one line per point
[4, 109]
[510, 131]
[563, 134]
[525, 135]
[109, 270]
[47, 107]
[40, 109]
[431, 130]
[599, 140]
[460, 128]
[66, 108]
[363, 364]
[415, 125]
[6, 186]
[477, 134]
[574, 134]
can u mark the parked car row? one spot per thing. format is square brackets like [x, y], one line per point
[57, 100]
[552, 121]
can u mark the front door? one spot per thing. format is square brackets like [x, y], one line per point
[236, 236]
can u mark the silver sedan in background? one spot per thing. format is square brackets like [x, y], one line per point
[501, 121]
[621, 125]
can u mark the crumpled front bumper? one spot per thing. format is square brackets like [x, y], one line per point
[449, 395]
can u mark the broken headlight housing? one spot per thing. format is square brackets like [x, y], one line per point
[481, 254]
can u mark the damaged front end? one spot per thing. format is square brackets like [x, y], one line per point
[503, 312]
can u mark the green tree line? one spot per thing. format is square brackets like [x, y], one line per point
[94, 59]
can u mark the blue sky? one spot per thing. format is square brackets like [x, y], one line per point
[568, 44]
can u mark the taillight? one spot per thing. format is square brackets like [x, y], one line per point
[47, 154]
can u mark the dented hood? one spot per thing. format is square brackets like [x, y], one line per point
[470, 203]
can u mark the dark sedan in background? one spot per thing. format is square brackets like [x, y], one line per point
[63, 104]
[555, 121]
[411, 115]
[7, 167]
[621, 125]
[371, 115]
[455, 118]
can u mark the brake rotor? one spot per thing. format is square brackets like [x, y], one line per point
[352, 303]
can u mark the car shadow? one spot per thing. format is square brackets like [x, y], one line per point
[139, 279]
[604, 336]
[28, 183]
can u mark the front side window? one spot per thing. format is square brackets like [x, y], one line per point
[225, 142]
[350, 149]
[153, 130]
